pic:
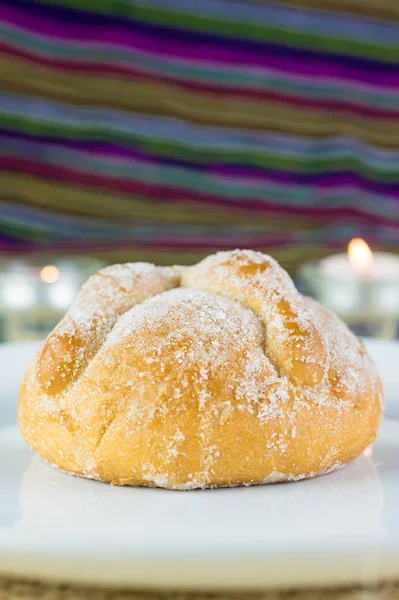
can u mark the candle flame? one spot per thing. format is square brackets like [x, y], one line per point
[49, 274]
[360, 255]
[368, 451]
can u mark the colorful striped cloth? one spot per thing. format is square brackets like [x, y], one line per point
[166, 129]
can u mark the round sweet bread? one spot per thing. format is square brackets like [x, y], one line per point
[219, 374]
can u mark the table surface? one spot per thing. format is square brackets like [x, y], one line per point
[11, 589]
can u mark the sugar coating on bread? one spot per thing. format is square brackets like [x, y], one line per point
[105, 296]
[219, 374]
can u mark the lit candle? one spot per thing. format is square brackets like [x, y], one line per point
[360, 285]
[361, 263]
[49, 274]
[34, 295]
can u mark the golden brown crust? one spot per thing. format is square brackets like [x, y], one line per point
[105, 296]
[231, 379]
[259, 282]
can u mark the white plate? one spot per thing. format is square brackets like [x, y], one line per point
[337, 529]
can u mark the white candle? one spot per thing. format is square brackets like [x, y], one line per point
[361, 263]
[35, 295]
[360, 286]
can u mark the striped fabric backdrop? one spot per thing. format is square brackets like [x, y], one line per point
[166, 129]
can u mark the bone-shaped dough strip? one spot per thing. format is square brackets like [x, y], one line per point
[294, 343]
[104, 297]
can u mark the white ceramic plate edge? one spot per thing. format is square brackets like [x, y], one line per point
[207, 572]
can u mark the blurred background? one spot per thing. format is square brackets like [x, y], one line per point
[165, 130]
